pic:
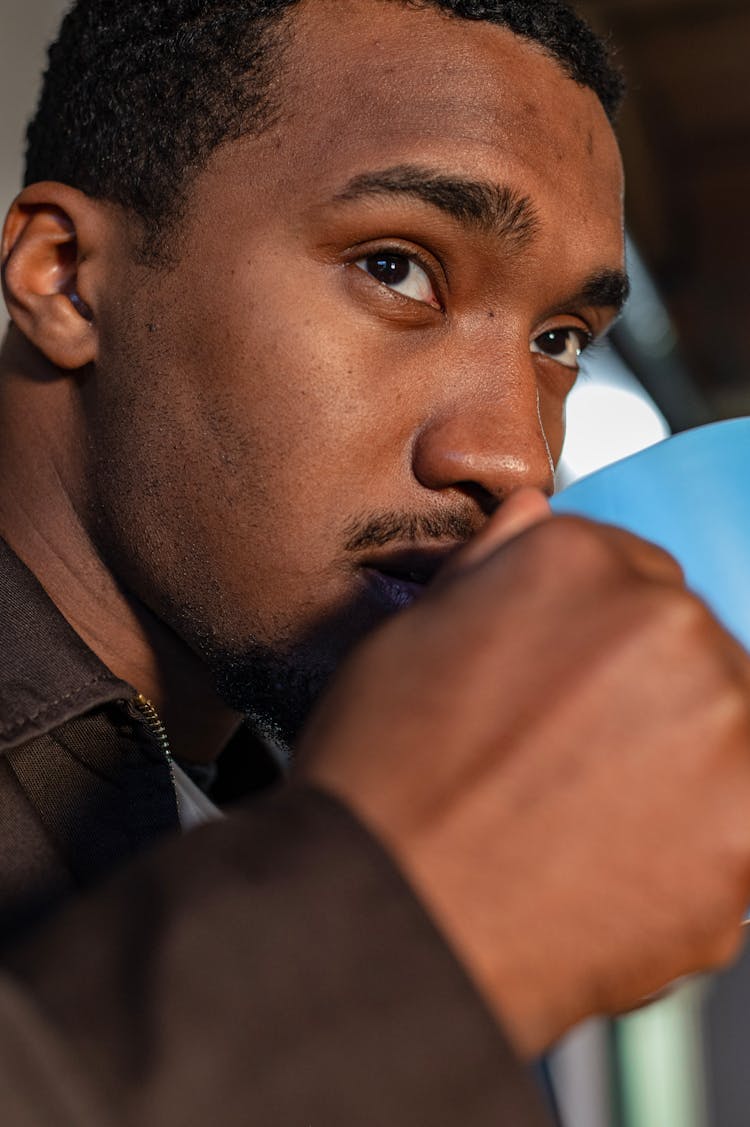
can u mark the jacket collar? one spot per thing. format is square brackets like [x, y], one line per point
[48, 675]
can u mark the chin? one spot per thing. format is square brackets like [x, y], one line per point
[276, 686]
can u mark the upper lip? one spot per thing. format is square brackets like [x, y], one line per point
[413, 564]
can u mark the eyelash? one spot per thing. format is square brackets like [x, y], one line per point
[594, 346]
[432, 267]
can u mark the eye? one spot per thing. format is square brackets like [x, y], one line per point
[400, 273]
[563, 345]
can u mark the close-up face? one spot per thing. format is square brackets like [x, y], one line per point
[364, 342]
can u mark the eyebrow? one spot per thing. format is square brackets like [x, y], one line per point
[490, 208]
[606, 289]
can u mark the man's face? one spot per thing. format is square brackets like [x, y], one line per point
[365, 343]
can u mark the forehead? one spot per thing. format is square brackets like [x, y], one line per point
[372, 82]
[372, 85]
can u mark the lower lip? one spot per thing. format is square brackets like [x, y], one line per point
[396, 594]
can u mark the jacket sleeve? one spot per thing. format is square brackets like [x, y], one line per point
[272, 970]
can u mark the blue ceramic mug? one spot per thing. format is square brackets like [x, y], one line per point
[691, 495]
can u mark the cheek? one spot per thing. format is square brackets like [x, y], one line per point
[552, 413]
[305, 387]
[238, 456]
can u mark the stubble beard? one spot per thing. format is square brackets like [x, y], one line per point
[275, 691]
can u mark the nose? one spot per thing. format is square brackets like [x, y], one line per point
[486, 444]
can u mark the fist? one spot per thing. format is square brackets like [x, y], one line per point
[554, 744]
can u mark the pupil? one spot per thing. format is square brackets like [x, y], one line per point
[554, 343]
[390, 269]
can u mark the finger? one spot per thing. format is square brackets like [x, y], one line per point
[572, 548]
[522, 510]
[643, 557]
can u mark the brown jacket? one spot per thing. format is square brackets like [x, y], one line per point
[271, 970]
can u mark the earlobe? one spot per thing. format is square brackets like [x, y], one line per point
[45, 278]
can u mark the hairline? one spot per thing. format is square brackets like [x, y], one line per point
[156, 241]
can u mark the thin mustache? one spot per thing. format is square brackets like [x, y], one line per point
[409, 528]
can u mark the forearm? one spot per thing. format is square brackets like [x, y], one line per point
[276, 967]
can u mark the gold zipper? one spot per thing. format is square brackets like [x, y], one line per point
[159, 732]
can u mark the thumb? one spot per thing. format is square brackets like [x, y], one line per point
[523, 509]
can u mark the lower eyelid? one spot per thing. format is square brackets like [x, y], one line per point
[389, 302]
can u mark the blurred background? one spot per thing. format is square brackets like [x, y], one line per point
[685, 133]
[679, 357]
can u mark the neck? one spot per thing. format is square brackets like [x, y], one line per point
[44, 517]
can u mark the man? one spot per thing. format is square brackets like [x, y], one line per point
[298, 291]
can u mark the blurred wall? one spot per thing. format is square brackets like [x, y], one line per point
[26, 27]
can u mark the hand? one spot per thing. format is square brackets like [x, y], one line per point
[554, 744]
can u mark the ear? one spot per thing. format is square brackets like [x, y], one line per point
[50, 244]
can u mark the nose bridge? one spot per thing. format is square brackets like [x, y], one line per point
[487, 435]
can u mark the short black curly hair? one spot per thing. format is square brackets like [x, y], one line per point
[138, 93]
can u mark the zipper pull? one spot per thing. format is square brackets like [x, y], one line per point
[154, 724]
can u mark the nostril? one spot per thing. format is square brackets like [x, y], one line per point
[486, 501]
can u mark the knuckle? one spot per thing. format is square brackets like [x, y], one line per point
[682, 615]
[720, 707]
[667, 562]
[724, 948]
[608, 553]
[733, 708]
[578, 545]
